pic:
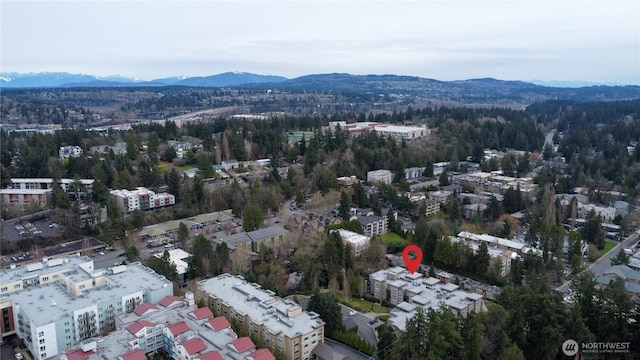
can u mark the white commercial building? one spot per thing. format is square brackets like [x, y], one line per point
[398, 132]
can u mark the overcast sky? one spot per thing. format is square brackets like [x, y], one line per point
[447, 40]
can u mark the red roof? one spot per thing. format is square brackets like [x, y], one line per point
[178, 328]
[202, 313]
[219, 323]
[78, 355]
[194, 345]
[170, 300]
[144, 308]
[262, 354]
[241, 345]
[137, 354]
[135, 327]
[211, 355]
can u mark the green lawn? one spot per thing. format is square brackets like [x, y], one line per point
[297, 136]
[608, 245]
[392, 240]
[362, 305]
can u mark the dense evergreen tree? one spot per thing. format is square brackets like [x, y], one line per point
[327, 306]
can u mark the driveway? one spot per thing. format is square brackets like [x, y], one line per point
[346, 350]
[366, 331]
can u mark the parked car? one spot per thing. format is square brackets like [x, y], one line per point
[352, 312]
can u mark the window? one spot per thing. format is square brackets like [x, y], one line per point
[43, 348]
[41, 341]
[4, 288]
[40, 333]
[45, 278]
[56, 276]
[16, 286]
[81, 287]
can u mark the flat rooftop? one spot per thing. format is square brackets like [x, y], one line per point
[37, 302]
[262, 306]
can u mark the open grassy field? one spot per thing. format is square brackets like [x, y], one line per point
[362, 305]
[393, 241]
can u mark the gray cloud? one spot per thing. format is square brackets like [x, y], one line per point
[593, 41]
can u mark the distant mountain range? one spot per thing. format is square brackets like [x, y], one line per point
[473, 91]
[63, 79]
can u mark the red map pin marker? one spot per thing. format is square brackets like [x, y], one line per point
[412, 262]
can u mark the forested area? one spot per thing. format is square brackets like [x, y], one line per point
[528, 320]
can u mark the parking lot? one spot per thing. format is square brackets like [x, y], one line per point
[19, 229]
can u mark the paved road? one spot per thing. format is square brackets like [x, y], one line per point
[346, 350]
[365, 330]
[600, 265]
[110, 257]
[548, 139]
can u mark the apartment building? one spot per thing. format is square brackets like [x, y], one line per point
[413, 173]
[66, 152]
[58, 303]
[358, 242]
[25, 199]
[251, 240]
[35, 192]
[410, 291]
[141, 199]
[380, 177]
[175, 326]
[500, 257]
[277, 322]
[374, 225]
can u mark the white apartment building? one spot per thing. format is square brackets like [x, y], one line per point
[175, 326]
[141, 199]
[374, 225]
[500, 256]
[413, 173]
[59, 303]
[35, 192]
[410, 291]
[66, 152]
[380, 176]
[358, 242]
[277, 322]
